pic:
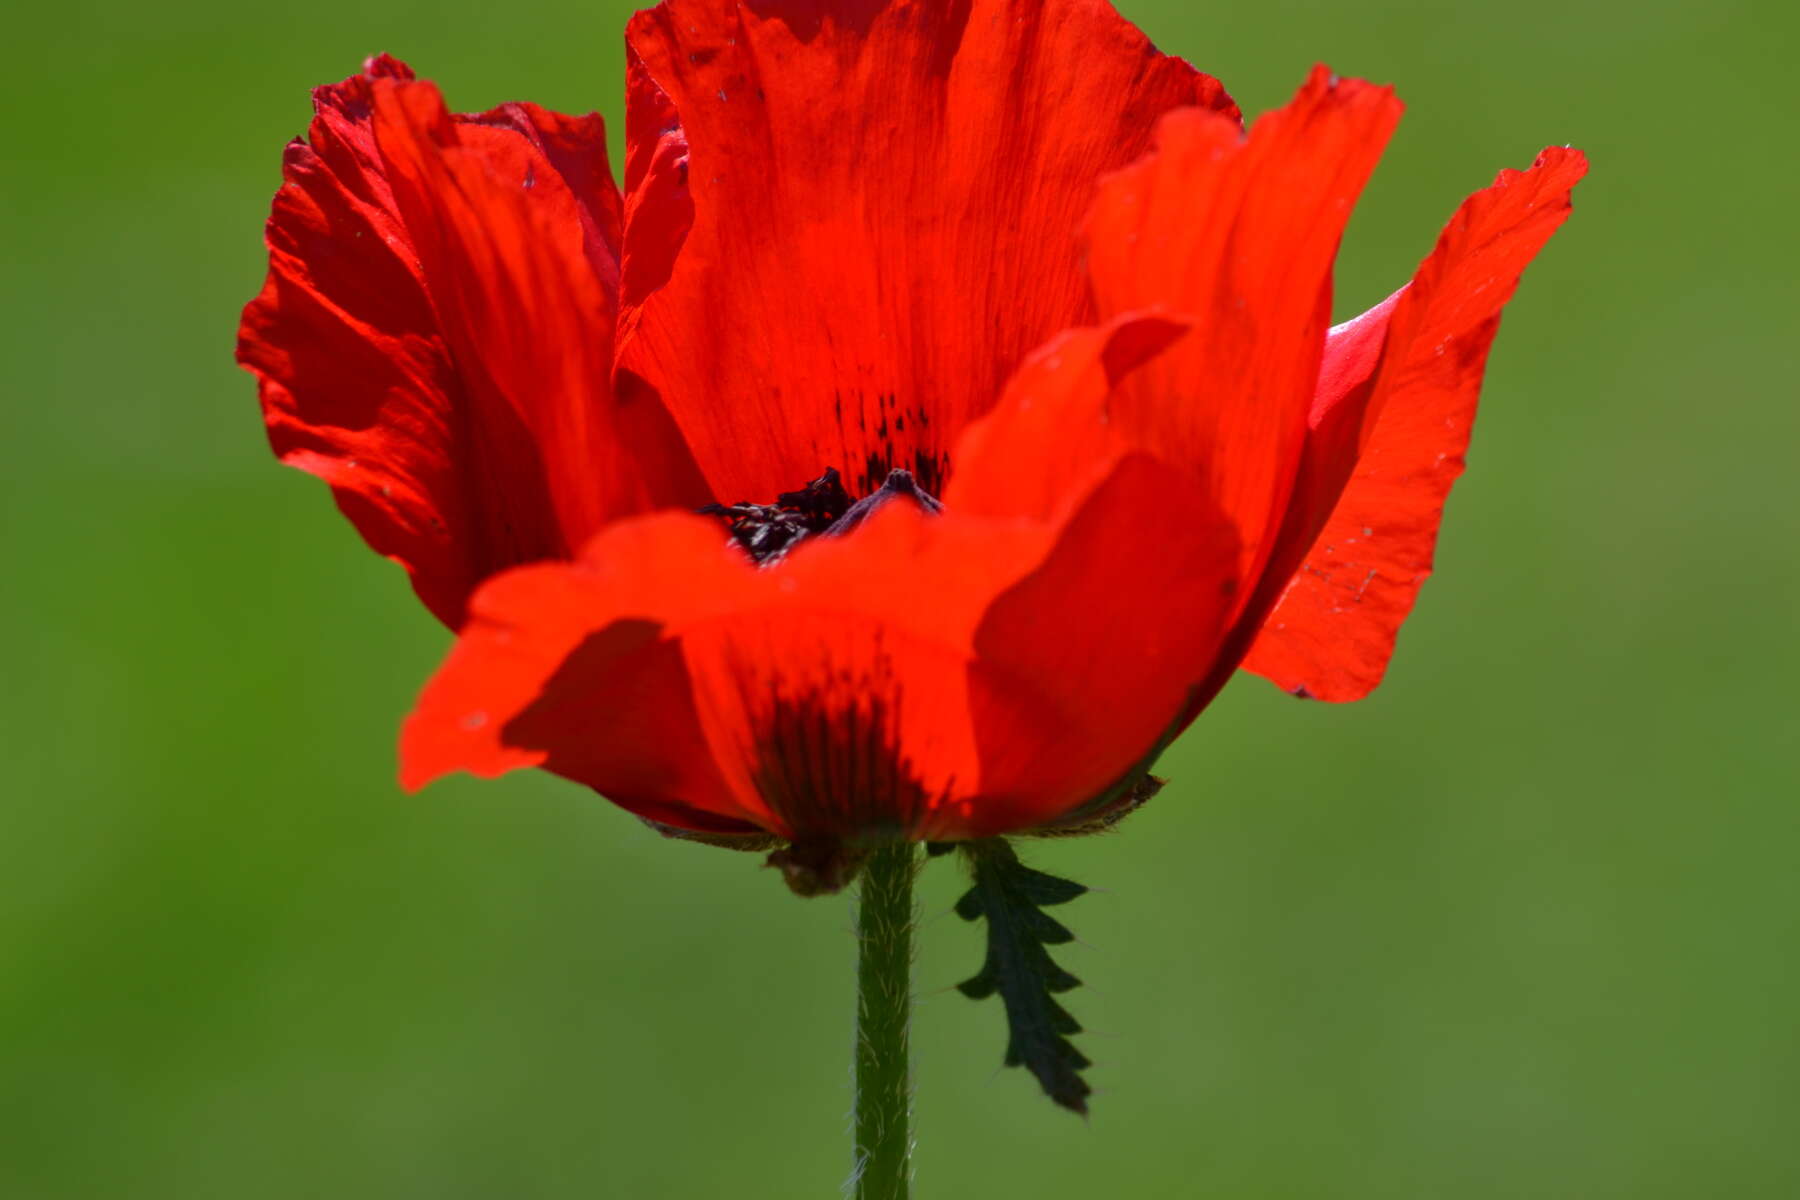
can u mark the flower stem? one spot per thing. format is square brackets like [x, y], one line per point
[884, 924]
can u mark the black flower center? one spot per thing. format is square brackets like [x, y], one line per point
[821, 507]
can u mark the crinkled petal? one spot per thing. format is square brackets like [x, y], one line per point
[885, 205]
[1387, 436]
[434, 339]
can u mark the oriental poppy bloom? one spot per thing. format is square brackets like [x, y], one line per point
[942, 412]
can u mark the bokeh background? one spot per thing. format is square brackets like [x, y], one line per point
[1524, 924]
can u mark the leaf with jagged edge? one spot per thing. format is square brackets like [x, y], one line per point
[1012, 896]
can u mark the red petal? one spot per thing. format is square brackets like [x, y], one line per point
[659, 209]
[564, 666]
[885, 203]
[1050, 437]
[1112, 632]
[1108, 637]
[576, 148]
[663, 668]
[434, 336]
[1333, 630]
[1237, 234]
[940, 676]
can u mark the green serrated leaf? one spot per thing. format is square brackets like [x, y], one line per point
[1061, 1020]
[978, 987]
[1018, 967]
[1046, 928]
[969, 907]
[1044, 890]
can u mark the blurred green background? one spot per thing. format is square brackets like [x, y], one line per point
[1522, 925]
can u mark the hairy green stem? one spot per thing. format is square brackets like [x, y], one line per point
[884, 925]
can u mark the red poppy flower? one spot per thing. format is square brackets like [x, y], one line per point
[998, 269]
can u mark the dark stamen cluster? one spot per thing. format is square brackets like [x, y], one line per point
[766, 531]
[823, 506]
